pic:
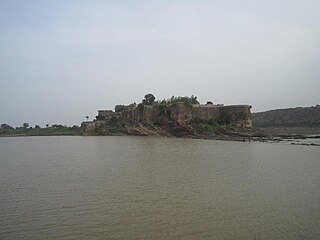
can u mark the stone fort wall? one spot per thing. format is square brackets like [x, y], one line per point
[239, 115]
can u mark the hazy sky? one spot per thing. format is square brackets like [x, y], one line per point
[63, 60]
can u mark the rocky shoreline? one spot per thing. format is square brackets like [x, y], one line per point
[226, 133]
[176, 129]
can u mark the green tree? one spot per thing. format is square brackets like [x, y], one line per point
[120, 108]
[148, 99]
[6, 126]
[37, 126]
[25, 125]
[193, 100]
[99, 117]
[185, 100]
[58, 126]
[132, 105]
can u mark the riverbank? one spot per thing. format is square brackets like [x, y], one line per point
[291, 130]
[198, 131]
[224, 133]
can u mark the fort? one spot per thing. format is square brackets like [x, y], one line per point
[238, 115]
[168, 119]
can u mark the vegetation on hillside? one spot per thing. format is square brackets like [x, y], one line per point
[150, 99]
[186, 100]
[290, 117]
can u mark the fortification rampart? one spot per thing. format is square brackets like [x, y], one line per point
[143, 113]
[206, 112]
[239, 115]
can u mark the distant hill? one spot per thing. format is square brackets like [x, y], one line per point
[289, 117]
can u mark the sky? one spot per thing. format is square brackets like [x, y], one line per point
[63, 60]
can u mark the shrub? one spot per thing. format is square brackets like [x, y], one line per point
[6, 126]
[148, 99]
[99, 117]
[120, 108]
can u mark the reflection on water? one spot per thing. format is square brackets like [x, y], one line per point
[157, 188]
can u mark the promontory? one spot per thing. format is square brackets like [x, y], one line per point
[176, 116]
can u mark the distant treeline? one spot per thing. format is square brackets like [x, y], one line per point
[149, 99]
[26, 130]
[289, 117]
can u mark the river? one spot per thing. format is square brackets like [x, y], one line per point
[157, 188]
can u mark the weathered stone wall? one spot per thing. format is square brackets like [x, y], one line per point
[89, 128]
[147, 113]
[108, 113]
[180, 112]
[150, 113]
[134, 114]
[206, 112]
[239, 115]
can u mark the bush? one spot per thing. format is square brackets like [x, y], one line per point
[6, 127]
[120, 108]
[148, 99]
[100, 117]
[186, 100]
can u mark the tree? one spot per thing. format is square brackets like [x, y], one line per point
[25, 125]
[132, 105]
[148, 99]
[87, 117]
[120, 108]
[56, 125]
[193, 100]
[47, 125]
[6, 126]
[99, 117]
[186, 100]
[37, 126]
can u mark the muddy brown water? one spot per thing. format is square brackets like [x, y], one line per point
[157, 188]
